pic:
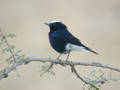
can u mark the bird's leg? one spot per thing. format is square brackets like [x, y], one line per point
[68, 56]
[59, 56]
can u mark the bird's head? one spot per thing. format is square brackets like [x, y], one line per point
[56, 25]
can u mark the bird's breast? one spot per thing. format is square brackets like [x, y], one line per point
[56, 44]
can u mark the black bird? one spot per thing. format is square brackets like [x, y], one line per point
[63, 41]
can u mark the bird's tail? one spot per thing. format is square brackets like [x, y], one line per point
[88, 49]
[81, 47]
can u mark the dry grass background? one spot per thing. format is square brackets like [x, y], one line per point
[95, 22]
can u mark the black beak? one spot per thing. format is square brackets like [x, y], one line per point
[47, 24]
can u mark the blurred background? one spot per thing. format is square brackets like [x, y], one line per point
[95, 22]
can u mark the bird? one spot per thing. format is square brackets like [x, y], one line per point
[63, 41]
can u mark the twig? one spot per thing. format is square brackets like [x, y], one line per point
[74, 71]
[48, 69]
[4, 38]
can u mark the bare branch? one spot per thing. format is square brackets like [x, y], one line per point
[53, 61]
[63, 62]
